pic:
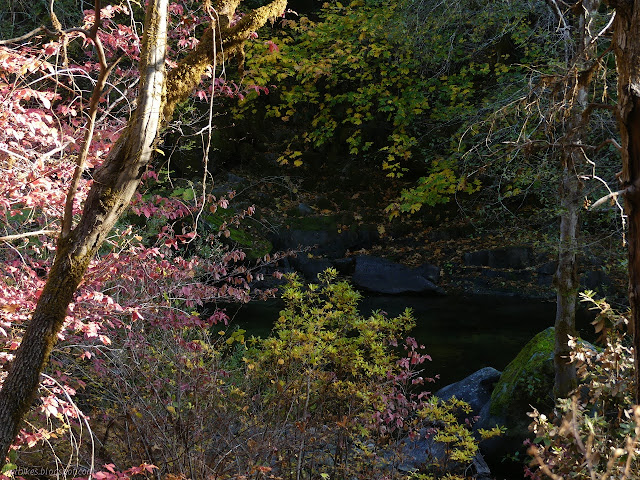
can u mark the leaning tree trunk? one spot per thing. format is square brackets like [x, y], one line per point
[114, 184]
[626, 44]
[113, 187]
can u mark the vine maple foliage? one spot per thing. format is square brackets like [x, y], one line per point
[50, 153]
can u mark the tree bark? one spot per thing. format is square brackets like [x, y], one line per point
[575, 84]
[114, 184]
[113, 187]
[626, 44]
[566, 281]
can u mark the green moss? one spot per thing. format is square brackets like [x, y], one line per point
[314, 223]
[253, 245]
[528, 379]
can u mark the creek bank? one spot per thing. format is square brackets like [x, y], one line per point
[516, 270]
[329, 230]
[321, 248]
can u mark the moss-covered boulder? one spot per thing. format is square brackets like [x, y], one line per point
[527, 381]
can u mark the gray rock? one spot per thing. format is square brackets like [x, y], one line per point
[235, 179]
[305, 209]
[420, 452]
[309, 267]
[548, 268]
[481, 467]
[475, 389]
[345, 266]
[507, 257]
[518, 275]
[327, 243]
[595, 280]
[383, 276]
[424, 451]
[428, 271]
[545, 280]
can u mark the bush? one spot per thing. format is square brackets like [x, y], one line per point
[594, 434]
[330, 394]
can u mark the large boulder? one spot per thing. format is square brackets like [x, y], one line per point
[515, 258]
[379, 275]
[525, 383]
[475, 389]
[321, 235]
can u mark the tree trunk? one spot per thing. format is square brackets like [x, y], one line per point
[575, 84]
[566, 281]
[114, 184]
[626, 44]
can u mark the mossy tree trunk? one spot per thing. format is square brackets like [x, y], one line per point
[574, 84]
[114, 184]
[566, 279]
[626, 44]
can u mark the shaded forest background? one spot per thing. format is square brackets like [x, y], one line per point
[442, 128]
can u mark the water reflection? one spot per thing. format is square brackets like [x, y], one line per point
[461, 334]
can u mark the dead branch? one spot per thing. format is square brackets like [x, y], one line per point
[17, 236]
[612, 195]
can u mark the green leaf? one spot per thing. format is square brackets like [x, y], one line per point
[8, 467]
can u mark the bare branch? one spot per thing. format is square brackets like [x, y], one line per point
[609, 141]
[17, 236]
[24, 37]
[43, 29]
[612, 195]
[67, 219]
[606, 27]
[595, 106]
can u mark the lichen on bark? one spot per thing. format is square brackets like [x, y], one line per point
[220, 42]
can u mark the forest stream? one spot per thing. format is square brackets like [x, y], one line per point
[461, 333]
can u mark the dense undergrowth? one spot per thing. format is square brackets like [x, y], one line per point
[147, 370]
[595, 433]
[329, 394]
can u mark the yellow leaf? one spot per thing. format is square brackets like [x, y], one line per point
[297, 163]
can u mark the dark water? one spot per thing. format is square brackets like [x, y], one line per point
[461, 334]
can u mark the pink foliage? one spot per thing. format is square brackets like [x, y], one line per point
[43, 103]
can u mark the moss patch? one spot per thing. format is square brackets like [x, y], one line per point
[315, 223]
[254, 245]
[527, 380]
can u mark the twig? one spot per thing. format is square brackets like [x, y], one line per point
[17, 236]
[105, 70]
